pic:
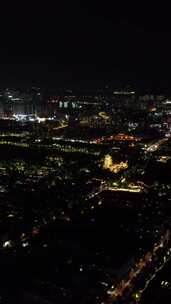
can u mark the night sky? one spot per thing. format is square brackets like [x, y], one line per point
[83, 43]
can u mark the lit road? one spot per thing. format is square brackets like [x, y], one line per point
[122, 189]
[154, 283]
[11, 143]
[55, 146]
[152, 278]
[154, 147]
[130, 281]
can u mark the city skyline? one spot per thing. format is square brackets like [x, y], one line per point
[85, 152]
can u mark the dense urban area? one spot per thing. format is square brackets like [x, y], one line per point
[85, 196]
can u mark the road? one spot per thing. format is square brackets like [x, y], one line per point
[154, 291]
[154, 147]
[130, 281]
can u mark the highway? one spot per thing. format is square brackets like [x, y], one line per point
[154, 147]
[153, 276]
[152, 287]
[130, 281]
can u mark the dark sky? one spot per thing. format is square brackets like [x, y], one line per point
[85, 43]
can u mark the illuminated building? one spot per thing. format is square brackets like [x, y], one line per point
[125, 137]
[115, 168]
[107, 162]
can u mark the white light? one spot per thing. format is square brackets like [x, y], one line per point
[7, 244]
[25, 244]
[41, 119]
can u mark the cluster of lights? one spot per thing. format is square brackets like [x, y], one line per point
[124, 92]
[163, 159]
[72, 140]
[115, 168]
[24, 117]
[118, 137]
[125, 137]
[7, 244]
[154, 147]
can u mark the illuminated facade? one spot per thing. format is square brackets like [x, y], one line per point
[115, 168]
